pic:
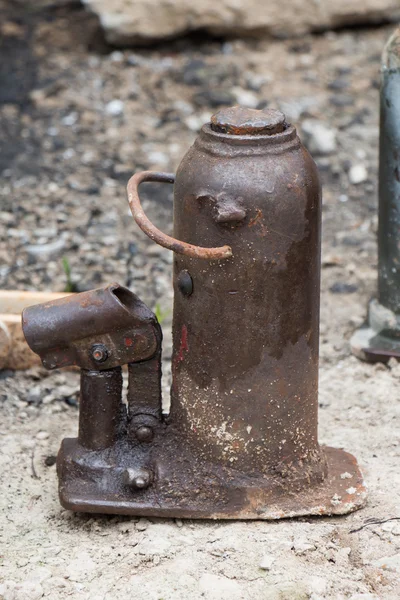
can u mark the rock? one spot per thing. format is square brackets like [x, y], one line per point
[155, 547]
[41, 250]
[5, 344]
[7, 589]
[29, 590]
[143, 21]
[213, 587]
[318, 137]
[343, 288]
[317, 585]
[79, 568]
[302, 546]
[286, 591]
[245, 97]
[358, 174]
[115, 108]
[389, 563]
[364, 597]
[142, 525]
[196, 122]
[266, 562]
[214, 98]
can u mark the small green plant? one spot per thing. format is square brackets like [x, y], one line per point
[70, 286]
[160, 313]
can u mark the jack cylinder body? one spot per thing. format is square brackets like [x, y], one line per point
[245, 348]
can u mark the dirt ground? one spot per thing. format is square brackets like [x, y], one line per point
[76, 121]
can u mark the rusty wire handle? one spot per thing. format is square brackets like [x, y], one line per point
[155, 234]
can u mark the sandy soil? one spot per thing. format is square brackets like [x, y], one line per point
[76, 123]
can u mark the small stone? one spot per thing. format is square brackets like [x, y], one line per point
[196, 122]
[195, 72]
[389, 563]
[70, 119]
[338, 84]
[142, 525]
[214, 98]
[49, 461]
[287, 590]
[358, 174]
[116, 56]
[318, 137]
[364, 597]
[157, 158]
[351, 490]
[115, 108]
[155, 547]
[343, 288]
[51, 249]
[245, 97]
[214, 587]
[393, 363]
[40, 574]
[317, 585]
[336, 499]
[42, 435]
[302, 546]
[342, 100]
[7, 589]
[79, 568]
[266, 562]
[396, 529]
[53, 583]
[29, 590]
[346, 475]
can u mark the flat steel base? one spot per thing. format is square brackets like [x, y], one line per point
[95, 485]
[368, 345]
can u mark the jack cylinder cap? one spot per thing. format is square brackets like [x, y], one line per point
[237, 120]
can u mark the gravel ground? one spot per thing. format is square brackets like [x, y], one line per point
[76, 122]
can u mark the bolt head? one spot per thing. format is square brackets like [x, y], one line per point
[99, 352]
[185, 283]
[144, 433]
[138, 479]
[141, 483]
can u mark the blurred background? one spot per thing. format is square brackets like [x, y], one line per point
[92, 92]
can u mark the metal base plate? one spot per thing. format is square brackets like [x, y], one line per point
[367, 345]
[182, 489]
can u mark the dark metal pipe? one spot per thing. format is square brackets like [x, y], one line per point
[389, 179]
[379, 338]
[100, 408]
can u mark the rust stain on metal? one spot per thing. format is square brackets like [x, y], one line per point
[183, 347]
[247, 121]
[158, 236]
[241, 439]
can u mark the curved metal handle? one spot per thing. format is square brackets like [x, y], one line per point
[155, 234]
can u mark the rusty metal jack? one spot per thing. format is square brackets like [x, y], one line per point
[379, 338]
[240, 441]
